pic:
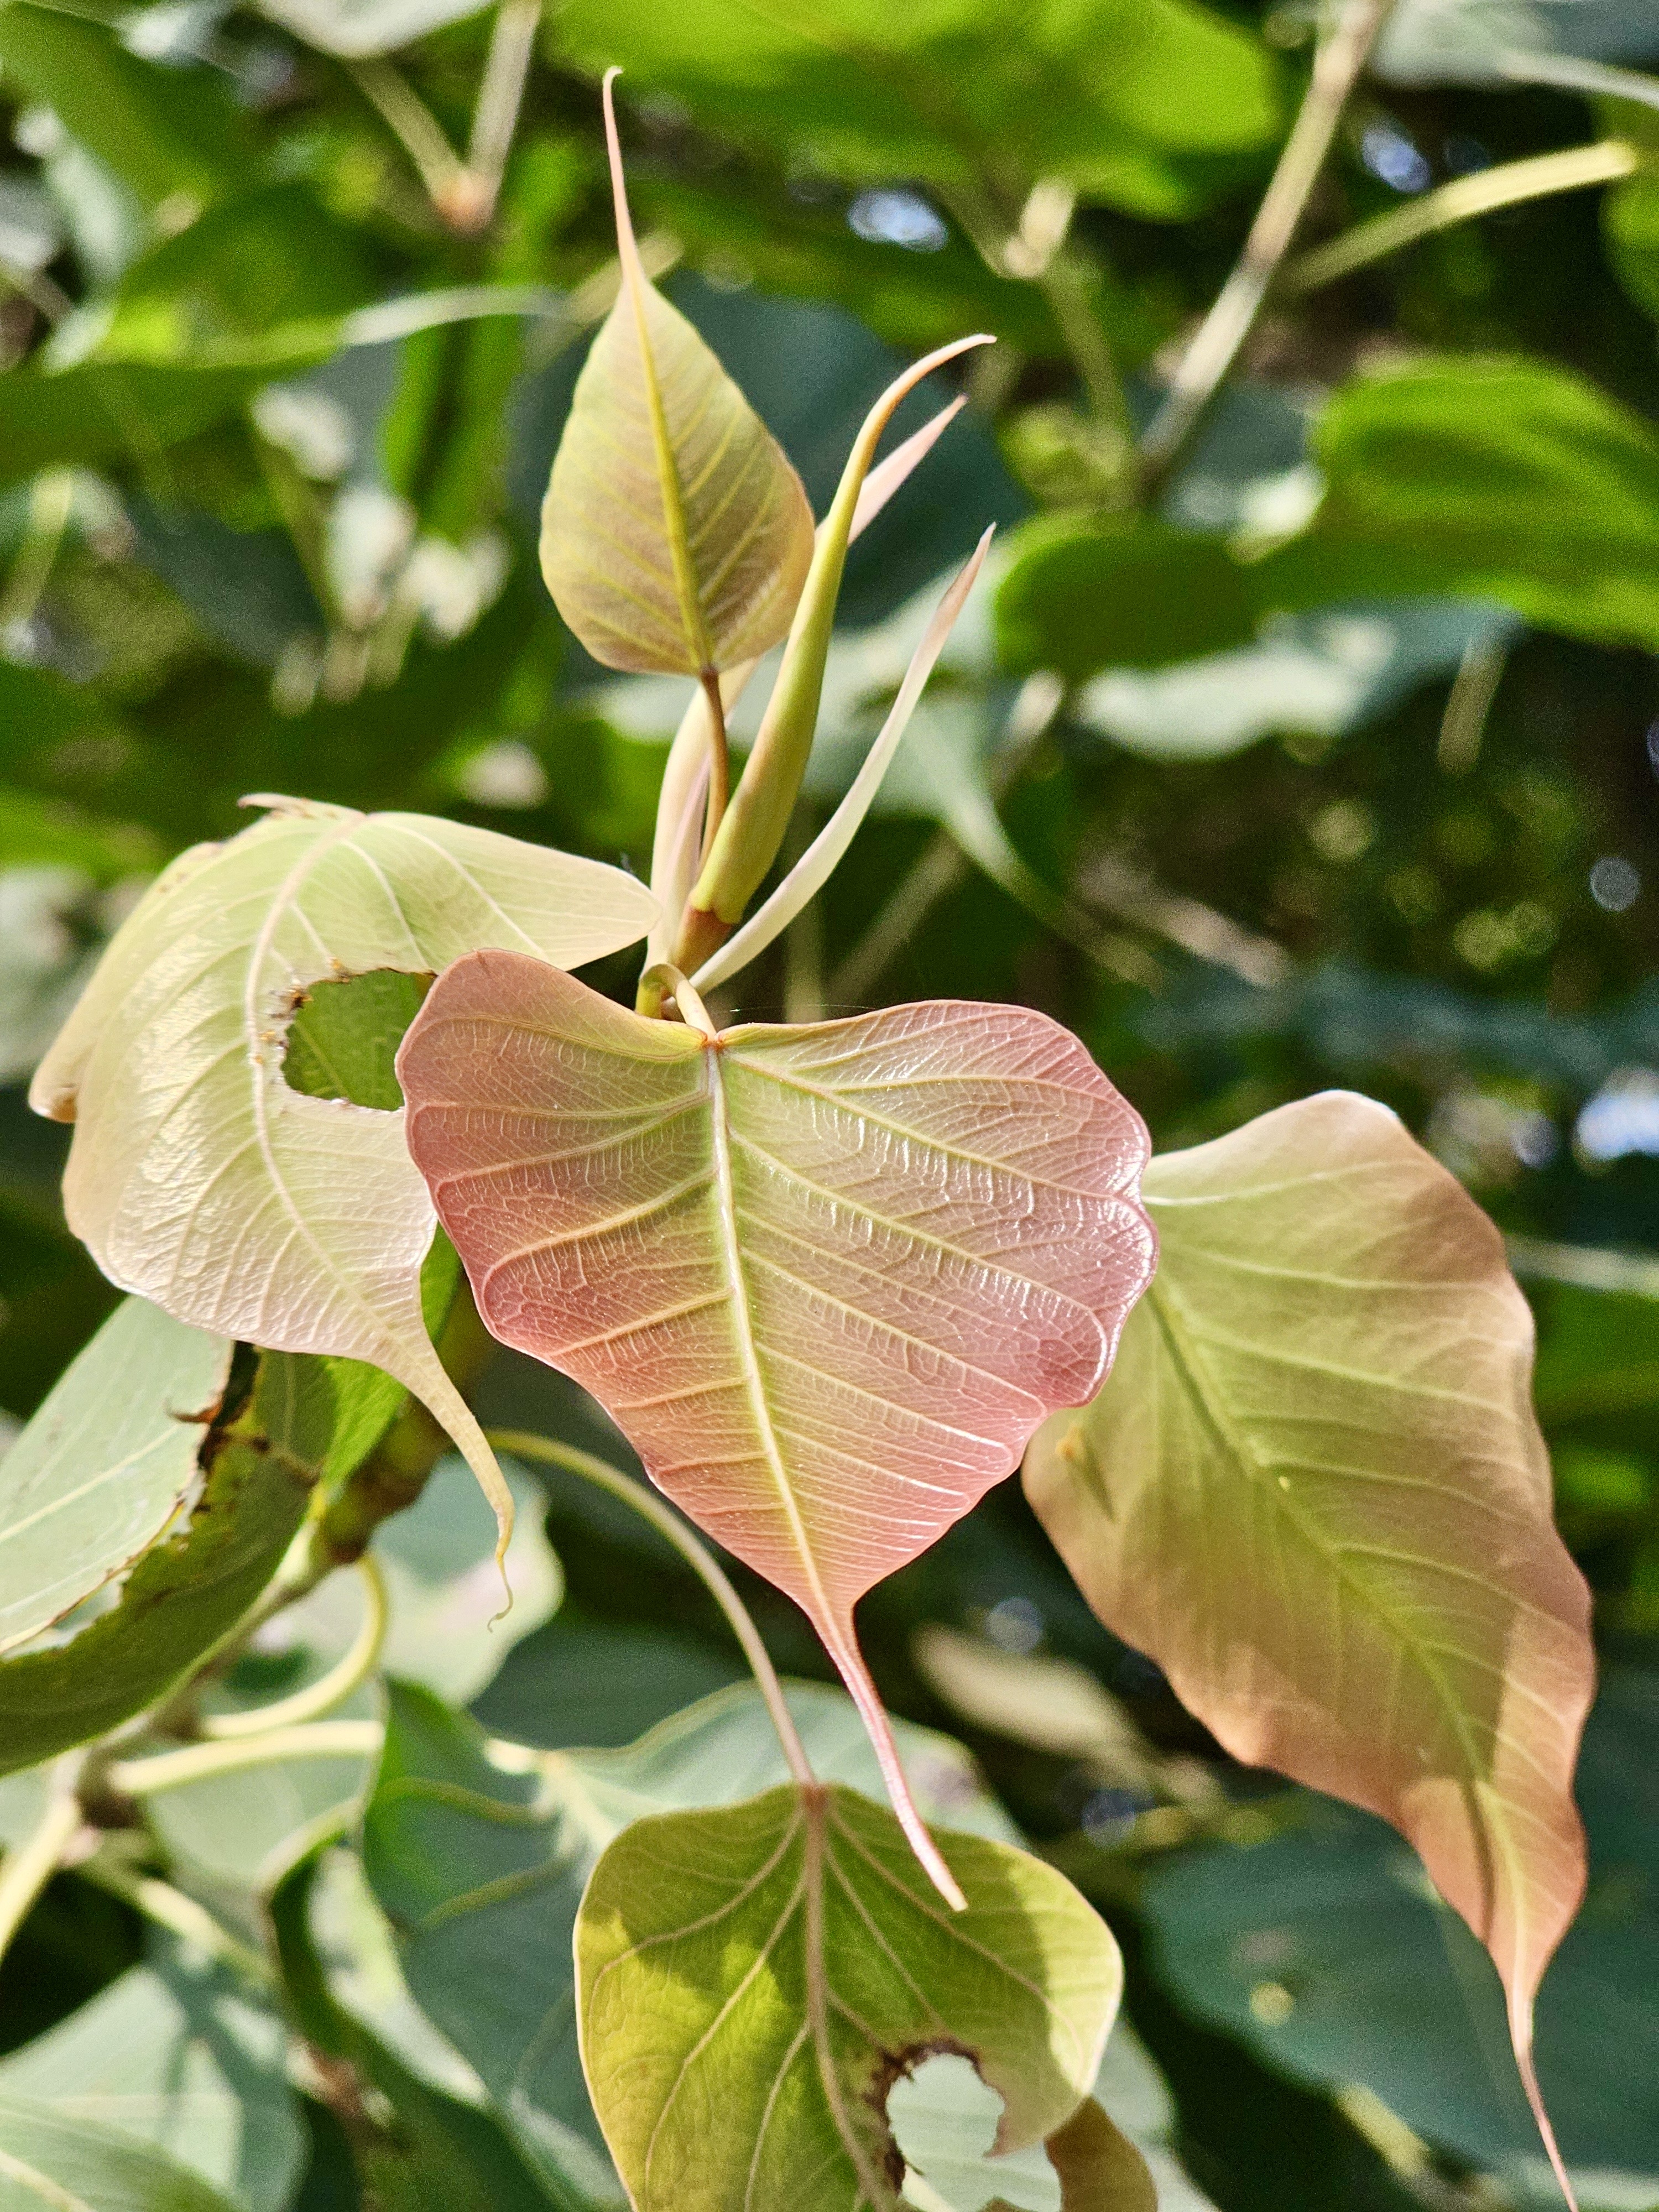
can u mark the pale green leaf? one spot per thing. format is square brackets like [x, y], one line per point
[752, 1981]
[50, 2163]
[106, 1463]
[1314, 1491]
[192, 1586]
[197, 1175]
[675, 535]
[945, 2119]
[184, 2055]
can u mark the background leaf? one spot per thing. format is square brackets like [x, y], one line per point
[44, 2156]
[106, 1464]
[183, 2055]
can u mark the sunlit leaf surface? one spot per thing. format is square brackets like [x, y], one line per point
[1314, 1491]
[827, 1279]
[752, 1981]
[480, 1865]
[198, 1176]
[675, 537]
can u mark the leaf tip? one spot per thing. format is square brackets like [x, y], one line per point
[625, 246]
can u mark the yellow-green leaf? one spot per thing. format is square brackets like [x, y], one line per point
[675, 535]
[1314, 1490]
[752, 1981]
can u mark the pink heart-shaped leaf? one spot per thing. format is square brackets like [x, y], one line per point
[827, 1279]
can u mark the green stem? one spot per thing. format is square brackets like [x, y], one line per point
[182, 1916]
[333, 1689]
[667, 1522]
[25, 1872]
[1337, 60]
[51, 502]
[173, 1770]
[500, 92]
[413, 125]
[1507, 185]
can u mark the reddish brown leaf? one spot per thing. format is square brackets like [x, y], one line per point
[826, 1279]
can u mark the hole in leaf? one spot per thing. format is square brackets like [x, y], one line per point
[944, 2119]
[343, 1039]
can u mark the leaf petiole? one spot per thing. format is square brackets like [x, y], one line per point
[521, 1444]
[320, 1697]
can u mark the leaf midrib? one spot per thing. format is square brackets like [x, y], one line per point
[1188, 1363]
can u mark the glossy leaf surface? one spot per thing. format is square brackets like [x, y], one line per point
[827, 1279]
[1492, 477]
[1314, 1491]
[104, 1464]
[198, 1176]
[481, 1867]
[751, 1981]
[675, 535]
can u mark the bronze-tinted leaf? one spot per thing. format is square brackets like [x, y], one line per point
[827, 1279]
[1314, 1491]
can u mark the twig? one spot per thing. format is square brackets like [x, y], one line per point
[1507, 185]
[495, 117]
[416, 130]
[1337, 60]
[937, 871]
[180, 1914]
[51, 502]
[1589, 1267]
[173, 1770]
[1469, 702]
[702, 1561]
[1114, 884]
[310, 1703]
[25, 1872]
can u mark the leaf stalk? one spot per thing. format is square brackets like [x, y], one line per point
[1339, 59]
[522, 1445]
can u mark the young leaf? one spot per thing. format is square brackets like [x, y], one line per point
[104, 1464]
[827, 1279]
[675, 535]
[753, 827]
[685, 772]
[198, 1176]
[751, 1982]
[1314, 1491]
[821, 857]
